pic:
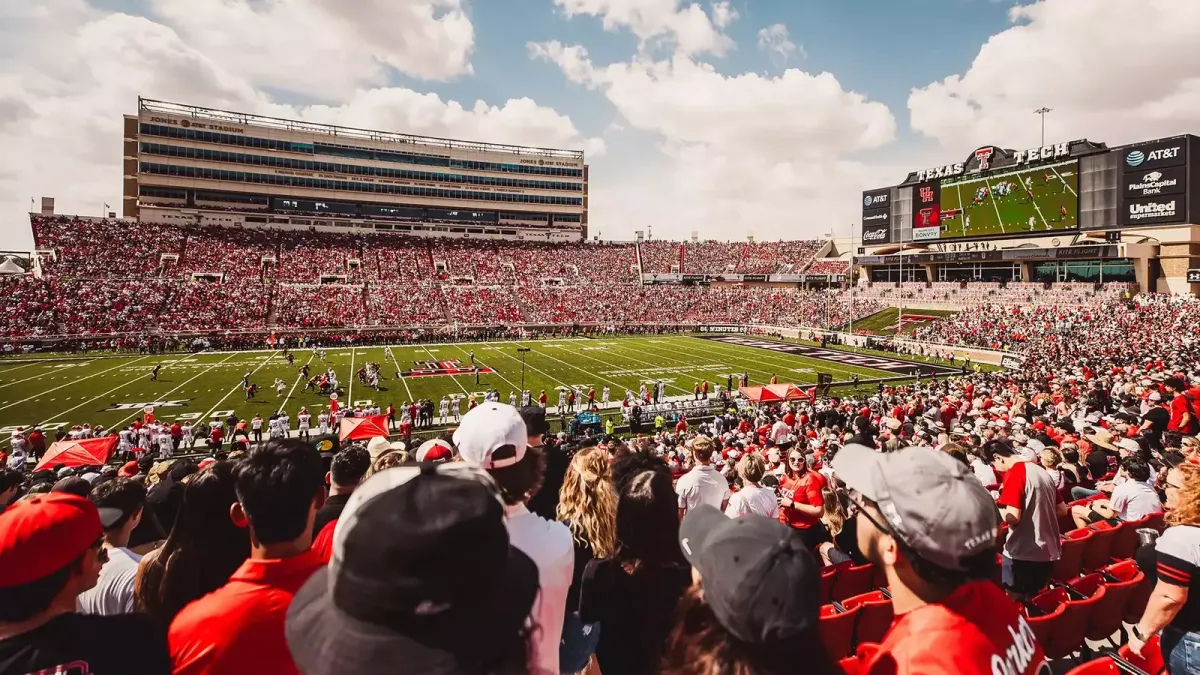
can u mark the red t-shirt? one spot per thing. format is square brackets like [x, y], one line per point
[323, 543]
[976, 630]
[804, 489]
[1179, 406]
[238, 628]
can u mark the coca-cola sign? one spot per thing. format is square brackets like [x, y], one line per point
[876, 234]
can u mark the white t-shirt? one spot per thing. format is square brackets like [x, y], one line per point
[753, 499]
[1134, 500]
[113, 592]
[548, 543]
[702, 485]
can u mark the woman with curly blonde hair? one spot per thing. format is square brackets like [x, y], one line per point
[588, 507]
[1171, 609]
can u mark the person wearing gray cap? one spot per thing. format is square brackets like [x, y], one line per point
[926, 520]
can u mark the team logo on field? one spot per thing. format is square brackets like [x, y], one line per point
[147, 405]
[434, 368]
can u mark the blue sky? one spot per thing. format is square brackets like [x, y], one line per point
[691, 121]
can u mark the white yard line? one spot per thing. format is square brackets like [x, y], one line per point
[298, 377]
[1039, 212]
[403, 380]
[353, 376]
[1068, 185]
[582, 370]
[992, 194]
[6, 371]
[452, 377]
[826, 365]
[648, 363]
[118, 425]
[77, 381]
[495, 372]
[962, 207]
[236, 387]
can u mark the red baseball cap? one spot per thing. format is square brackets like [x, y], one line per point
[128, 470]
[42, 535]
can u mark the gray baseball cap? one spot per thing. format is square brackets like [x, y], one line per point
[931, 502]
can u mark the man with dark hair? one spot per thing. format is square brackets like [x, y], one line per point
[345, 473]
[1182, 418]
[1030, 504]
[51, 550]
[120, 503]
[239, 627]
[10, 486]
[1132, 498]
[493, 437]
[928, 523]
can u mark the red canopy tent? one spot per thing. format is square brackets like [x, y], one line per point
[774, 393]
[363, 428]
[84, 452]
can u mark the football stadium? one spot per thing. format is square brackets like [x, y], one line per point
[321, 392]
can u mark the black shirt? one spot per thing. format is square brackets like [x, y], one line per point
[331, 511]
[79, 644]
[1158, 417]
[636, 612]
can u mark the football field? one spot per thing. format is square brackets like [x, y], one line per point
[115, 390]
[999, 213]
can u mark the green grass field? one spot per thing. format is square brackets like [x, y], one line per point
[1010, 214]
[113, 390]
[885, 322]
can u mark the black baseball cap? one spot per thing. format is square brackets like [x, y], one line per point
[759, 578]
[535, 420]
[422, 574]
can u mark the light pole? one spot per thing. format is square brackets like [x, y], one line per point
[1042, 111]
[522, 351]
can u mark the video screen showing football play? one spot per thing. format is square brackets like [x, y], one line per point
[1036, 200]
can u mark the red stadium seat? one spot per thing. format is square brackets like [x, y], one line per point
[1125, 542]
[1095, 554]
[875, 618]
[1043, 626]
[1127, 570]
[1068, 631]
[1070, 562]
[1104, 621]
[852, 665]
[1151, 660]
[1157, 521]
[837, 630]
[828, 578]
[853, 581]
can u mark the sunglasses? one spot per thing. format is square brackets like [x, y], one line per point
[861, 503]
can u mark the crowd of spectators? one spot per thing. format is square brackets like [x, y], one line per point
[714, 257]
[203, 306]
[93, 248]
[323, 306]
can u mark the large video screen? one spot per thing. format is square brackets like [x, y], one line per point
[1024, 201]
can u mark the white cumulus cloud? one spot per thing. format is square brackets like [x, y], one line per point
[69, 71]
[686, 26]
[774, 40]
[740, 153]
[1111, 70]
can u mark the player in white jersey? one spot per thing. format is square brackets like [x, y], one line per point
[280, 385]
[275, 427]
[165, 446]
[125, 442]
[188, 439]
[562, 399]
[285, 421]
[512, 398]
[457, 409]
[642, 392]
[524, 398]
[1031, 222]
[323, 422]
[604, 394]
[444, 410]
[966, 223]
[304, 420]
[144, 437]
[256, 428]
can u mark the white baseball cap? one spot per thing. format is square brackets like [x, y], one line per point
[486, 428]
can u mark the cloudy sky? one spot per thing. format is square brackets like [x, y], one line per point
[729, 118]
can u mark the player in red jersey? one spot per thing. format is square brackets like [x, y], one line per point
[924, 518]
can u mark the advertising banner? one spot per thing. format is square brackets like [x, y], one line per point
[926, 233]
[1154, 182]
[1156, 155]
[880, 233]
[1155, 211]
[1012, 361]
[877, 199]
